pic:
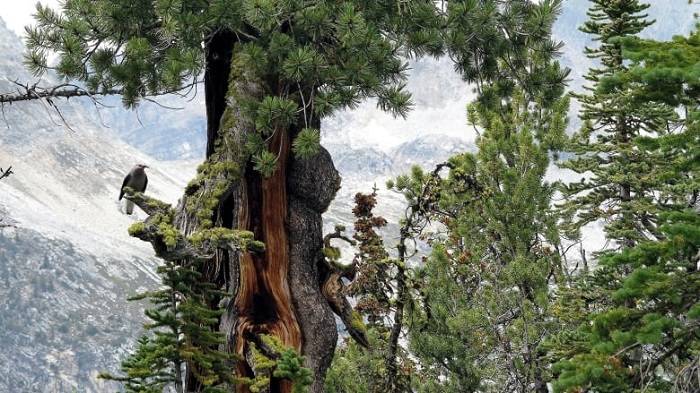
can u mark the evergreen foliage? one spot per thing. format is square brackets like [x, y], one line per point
[648, 337]
[479, 308]
[620, 182]
[491, 305]
[637, 327]
[181, 332]
[312, 58]
[485, 290]
[305, 60]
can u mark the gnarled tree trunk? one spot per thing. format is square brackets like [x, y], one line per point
[276, 292]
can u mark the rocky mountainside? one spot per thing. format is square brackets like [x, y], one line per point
[67, 264]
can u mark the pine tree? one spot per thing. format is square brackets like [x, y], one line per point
[483, 302]
[637, 329]
[477, 310]
[181, 326]
[485, 290]
[272, 69]
[618, 185]
[648, 338]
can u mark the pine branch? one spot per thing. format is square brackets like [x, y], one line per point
[29, 92]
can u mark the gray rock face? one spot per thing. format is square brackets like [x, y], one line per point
[63, 317]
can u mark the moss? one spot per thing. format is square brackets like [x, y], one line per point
[137, 229]
[262, 362]
[243, 239]
[357, 322]
[164, 222]
[332, 253]
[273, 342]
[218, 177]
[156, 204]
[256, 246]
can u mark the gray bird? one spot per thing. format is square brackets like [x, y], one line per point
[137, 181]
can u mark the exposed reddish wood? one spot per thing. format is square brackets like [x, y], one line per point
[264, 299]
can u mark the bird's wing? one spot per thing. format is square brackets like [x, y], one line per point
[127, 179]
[145, 183]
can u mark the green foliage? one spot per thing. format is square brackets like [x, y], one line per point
[307, 143]
[291, 366]
[183, 330]
[485, 288]
[265, 162]
[286, 363]
[479, 306]
[637, 326]
[622, 184]
[483, 304]
[308, 60]
[355, 370]
[649, 335]
[480, 38]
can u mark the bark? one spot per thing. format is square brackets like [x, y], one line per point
[312, 184]
[218, 58]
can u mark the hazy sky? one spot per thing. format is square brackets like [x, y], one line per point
[18, 13]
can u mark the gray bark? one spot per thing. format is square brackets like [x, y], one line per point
[311, 186]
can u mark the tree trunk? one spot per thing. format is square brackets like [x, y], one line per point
[276, 292]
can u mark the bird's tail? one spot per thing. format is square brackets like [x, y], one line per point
[129, 207]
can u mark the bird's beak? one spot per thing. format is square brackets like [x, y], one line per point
[146, 166]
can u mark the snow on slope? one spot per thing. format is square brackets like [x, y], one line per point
[67, 265]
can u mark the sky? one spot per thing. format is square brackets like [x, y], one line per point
[18, 13]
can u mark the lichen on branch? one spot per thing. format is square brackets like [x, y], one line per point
[170, 244]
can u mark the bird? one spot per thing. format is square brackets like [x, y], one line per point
[137, 180]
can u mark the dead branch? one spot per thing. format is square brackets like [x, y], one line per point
[333, 288]
[6, 172]
[45, 95]
[30, 92]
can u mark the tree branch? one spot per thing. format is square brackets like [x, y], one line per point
[5, 173]
[333, 288]
[29, 92]
[171, 245]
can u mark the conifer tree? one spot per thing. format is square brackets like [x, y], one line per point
[382, 293]
[483, 306]
[485, 290]
[639, 332]
[272, 69]
[477, 310]
[181, 324]
[618, 183]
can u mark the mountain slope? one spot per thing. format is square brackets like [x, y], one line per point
[67, 264]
